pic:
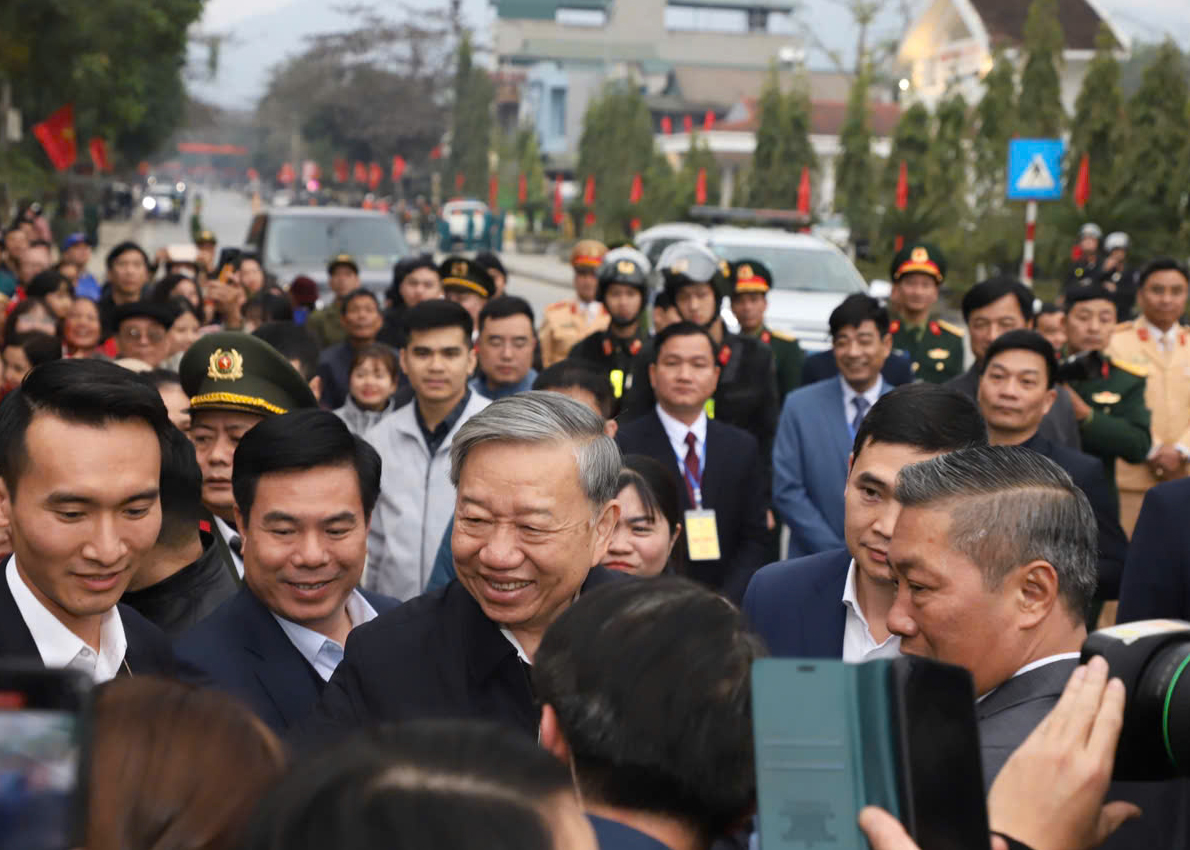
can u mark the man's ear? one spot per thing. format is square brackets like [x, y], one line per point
[611, 427]
[605, 525]
[241, 526]
[1036, 590]
[5, 506]
[549, 734]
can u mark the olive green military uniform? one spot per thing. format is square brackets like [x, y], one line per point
[788, 354]
[1118, 426]
[935, 349]
[326, 323]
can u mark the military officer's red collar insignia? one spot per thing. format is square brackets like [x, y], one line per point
[766, 337]
[1143, 334]
[1106, 368]
[634, 349]
[607, 347]
[895, 326]
[934, 329]
[724, 355]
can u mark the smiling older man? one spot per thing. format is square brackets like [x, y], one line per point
[536, 480]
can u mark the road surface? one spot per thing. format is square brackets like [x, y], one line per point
[539, 279]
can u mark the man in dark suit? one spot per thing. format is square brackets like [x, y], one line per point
[1016, 392]
[897, 370]
[1156, 581]
[994, 554]
[536, 481]
[835, 604]
[719, 463]
[818, 426]
[80, 466]
[305, 488]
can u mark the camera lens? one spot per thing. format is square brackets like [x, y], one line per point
[1161, 702]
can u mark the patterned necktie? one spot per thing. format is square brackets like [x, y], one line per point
[693, 474]
[861, 408]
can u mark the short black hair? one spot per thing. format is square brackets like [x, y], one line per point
[657, 486]
[928, 417]
[568, 374]
[182, 305]
[1050, 309]
[437, 313]
[159, 377]
[301, 440]
[181, 488]
[856, 309]
[682, 328]
[429, 783]
[246, 255]
[293, 342]
[47, 282]
[88, 392]
[629, 647]
[662, 301]
[123, 248]
[504, 306]
[163, 290]
[987, 291]
[1159, 264]
[380, 352]
[358, 292]
[39, 347]
[1028, 341]
[273, 306]
[490, 260]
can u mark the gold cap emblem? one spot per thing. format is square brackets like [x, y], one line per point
[725, 268]
[225, 365]
[745, 272]
[458, 269]
[919, 255]
[679, 265]
[625, 267]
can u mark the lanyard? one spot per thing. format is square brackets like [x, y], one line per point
[694, 480]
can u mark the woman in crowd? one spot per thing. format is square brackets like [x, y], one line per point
[32, 314]
[186, 328]
[176, 286]
[81, 330]
[175, 766]
[268, 305]
[55, 289]
[374, 374]
[23, 351]
[645, 541]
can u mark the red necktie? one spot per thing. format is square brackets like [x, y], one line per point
[693, 474]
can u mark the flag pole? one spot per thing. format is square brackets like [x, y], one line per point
[1030, 238]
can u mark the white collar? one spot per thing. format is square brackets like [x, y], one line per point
[677, 431]
[313, 645]
[57, 645]
[850, 597]
[227, 532]
[871, 394]
[1160, 335]
[516, 644]
[1033, 665]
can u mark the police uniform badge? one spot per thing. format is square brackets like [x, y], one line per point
[225, 365]
[625, 267]
[919, 255]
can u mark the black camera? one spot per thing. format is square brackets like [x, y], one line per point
[1151, 657]
[1080, 367]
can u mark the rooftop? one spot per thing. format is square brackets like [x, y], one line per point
[1005, 21]
[826, 118]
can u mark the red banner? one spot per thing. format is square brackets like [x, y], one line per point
[687, 123]
[1082, 186]
[667, 125]
[708, 120]
[361, 172]
[803, 192]
[436, 153]
[589, 191]
[493, 191]
[341, 174]
[460, 182]
[398, 167]
[589, 219]
[98, 149]
[558, 199]
[375, 175]
[903, 186]
[522, 189]
[700, 187]
[637, 190]
[253, 174]
[56, 135]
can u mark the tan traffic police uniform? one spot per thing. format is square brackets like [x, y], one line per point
[566, 322]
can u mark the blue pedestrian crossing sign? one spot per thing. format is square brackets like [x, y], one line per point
[1035, 169]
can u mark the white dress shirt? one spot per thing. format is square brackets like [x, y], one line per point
[1166, 340]
[229, 534]
[1033, 665]
[871, 395]
[58, 646]
[323, 653]
[858, 643]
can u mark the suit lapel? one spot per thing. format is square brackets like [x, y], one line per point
[711, 472]
[658, 446]
[1048, 680]
[16, 641]
[837, 428]
[225, 557]
[291, 683]
[824, 628]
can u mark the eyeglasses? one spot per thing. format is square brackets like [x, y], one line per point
[518, 343]
[137, 335]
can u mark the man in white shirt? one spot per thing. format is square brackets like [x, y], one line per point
[995, 557]
[834, 604]
[304, 488]
[80, 465]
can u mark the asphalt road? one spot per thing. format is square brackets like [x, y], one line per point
[541, 280]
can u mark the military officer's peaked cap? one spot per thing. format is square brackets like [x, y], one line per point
[342, 260]
[1091, 292]
[206, 237]
[231, 370]
[750, 276]
[460, 273]
[587, 254]
[919, 257]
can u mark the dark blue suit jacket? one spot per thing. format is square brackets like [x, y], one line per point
[897, 370]
[797, 605]
[242, 649]
[1156, 581]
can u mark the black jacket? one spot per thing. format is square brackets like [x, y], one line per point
[189, 595]
[733, 468]
[1058, 426]
[242, 649]
[436, 656]
[1156, 580]
[148, 652]
[1087, 474]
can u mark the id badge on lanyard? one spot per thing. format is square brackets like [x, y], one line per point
[702, 532]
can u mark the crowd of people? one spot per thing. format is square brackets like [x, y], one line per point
[413, 564]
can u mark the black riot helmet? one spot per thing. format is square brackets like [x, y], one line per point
[686, 263]
[624, 265]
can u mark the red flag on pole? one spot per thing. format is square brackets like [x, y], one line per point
[493, 191]
[589, 219]
[56, 135]
[903, 186]
[436, 153]
[634, 194]
[589, 191]
[687, 123]
[708, 120]
[98, 149]
[803, 192]
[634, 224]
[522, 189]
[460, 181]
[286, 175]
[558, 199]
[398, 167]
[340, 170]
[361, 172]
[1082, 186]
[375, 175]
[253, 174]
[700, 187]
[667, 125]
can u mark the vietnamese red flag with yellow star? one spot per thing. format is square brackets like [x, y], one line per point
[98, 149]
[56, 135]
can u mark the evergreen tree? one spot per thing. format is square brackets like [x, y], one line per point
[854, 174]
[471, 127]
[1097, 129]
[947, 166]
[1153, 167]
[995, 125]
[911, 145]
[528, 163]
[686, 180]
[769, 179]
[1040, 109]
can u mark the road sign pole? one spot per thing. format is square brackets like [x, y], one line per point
[1030, 238]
